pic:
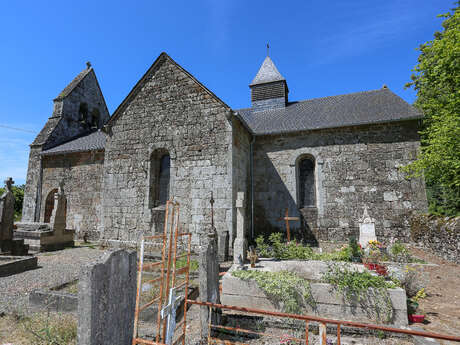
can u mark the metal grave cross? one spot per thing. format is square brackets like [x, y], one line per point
[287, 219]
[169, 311]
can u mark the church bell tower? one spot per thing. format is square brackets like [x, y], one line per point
[269, 89]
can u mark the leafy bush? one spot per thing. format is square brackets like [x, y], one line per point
[356, 287]
[436, 80]
[355, 249]
[293, 250]
[286, 289]
[18, 192]
[262, 247]
[399, 253]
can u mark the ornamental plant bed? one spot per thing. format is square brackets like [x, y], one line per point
[340, 294]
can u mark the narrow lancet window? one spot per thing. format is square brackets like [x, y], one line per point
[160, 165]
[307, 195]
[163, 193]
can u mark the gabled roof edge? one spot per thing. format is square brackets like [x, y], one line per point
[73, 84]
[163, 56]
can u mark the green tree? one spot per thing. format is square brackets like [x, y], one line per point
[18, 192]
[436, 79]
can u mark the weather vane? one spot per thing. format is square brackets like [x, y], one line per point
[268, 49]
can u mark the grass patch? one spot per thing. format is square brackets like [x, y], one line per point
[293, 250]
[38, 329]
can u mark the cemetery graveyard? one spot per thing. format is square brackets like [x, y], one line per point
[363, 280]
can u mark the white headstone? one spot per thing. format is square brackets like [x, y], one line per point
[366, 229]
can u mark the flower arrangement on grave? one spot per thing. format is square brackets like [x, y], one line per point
[413, 306]
[374, 254]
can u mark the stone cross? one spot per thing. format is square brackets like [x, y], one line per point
[169, 312]
[7, 212]
[366, 229]
[9, 182]
[240, 245]
[287, 219]
[58, 219]
[209, 281]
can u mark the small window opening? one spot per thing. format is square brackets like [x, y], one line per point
[95, 118]
[307, 197]
[83, 113]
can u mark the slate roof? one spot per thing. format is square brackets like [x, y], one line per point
[268, 73]
[68, 89]
[368, 107]
[89, 142]
[49, 127]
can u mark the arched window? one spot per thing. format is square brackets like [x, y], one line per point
[83, 113]
[160, 165]
[306, 182]
[49, 205]
[163, 178]
[95, 118]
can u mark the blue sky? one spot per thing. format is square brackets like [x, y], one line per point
[322, 48]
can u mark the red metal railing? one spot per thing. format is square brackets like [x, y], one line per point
[322, 323]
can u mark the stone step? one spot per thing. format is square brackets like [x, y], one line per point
[32, 226]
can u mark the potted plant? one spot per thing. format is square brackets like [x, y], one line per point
[413, 306]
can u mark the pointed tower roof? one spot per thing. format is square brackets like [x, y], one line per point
[267, 73]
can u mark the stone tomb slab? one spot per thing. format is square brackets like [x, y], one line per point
[10, 265]
[329, 303]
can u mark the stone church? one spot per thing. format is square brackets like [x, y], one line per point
[323, 159]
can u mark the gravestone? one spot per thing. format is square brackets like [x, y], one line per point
[106, 299]
[240, 245]
[58, 217]
[7, 212]
[209, 280]
[366, 229]
[7, 243]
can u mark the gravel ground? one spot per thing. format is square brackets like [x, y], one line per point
[54, 268]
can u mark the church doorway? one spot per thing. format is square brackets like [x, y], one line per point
[49, 205]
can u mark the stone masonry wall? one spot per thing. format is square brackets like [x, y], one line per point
[82, 176]
[173, 112]
[63, 125]
[441, 235]
[32, 186]
[354, 167]
[241, 161]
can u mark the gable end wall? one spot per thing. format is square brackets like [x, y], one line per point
[170, 111]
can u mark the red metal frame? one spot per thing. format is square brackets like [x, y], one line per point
[320, 320]
[170, 239]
